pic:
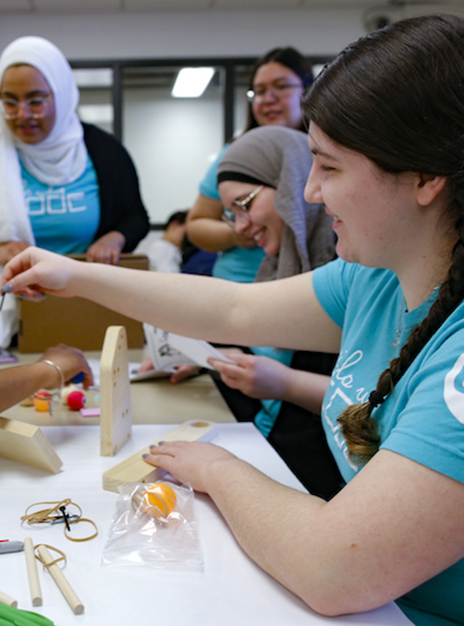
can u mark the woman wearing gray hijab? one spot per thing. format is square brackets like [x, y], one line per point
[274, 162]
[261, 180]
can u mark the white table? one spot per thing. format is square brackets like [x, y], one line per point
[230, 590]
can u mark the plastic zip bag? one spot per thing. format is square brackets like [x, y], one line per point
[154, 526]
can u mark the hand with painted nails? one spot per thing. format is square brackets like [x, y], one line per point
[190, 462]
[36, 272]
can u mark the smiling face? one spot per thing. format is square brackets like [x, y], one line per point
[261, 221]
[275, 105]
[377, 218]
[20, 83]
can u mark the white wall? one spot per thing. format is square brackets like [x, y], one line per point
[196, 34]
[170, 140]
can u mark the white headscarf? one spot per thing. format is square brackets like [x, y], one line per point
[60, 158]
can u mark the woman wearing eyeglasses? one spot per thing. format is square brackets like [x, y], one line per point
[65, 186]
[261, 183]
[276, 84]
[388, 165]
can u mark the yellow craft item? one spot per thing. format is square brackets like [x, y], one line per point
[157, 499]
[42, 401]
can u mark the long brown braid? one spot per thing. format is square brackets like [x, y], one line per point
[404, 110]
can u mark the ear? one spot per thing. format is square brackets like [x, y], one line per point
[428, 188]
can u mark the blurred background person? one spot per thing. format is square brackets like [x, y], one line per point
[276, 84]
[65, 186]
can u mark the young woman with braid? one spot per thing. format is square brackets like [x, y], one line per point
[387, 136]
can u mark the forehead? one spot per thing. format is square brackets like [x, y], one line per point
[24, 79]
[233, 190]
[272, 71]
[322, 145]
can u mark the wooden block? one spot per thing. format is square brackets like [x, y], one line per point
[115, 395]
[27, 444]
[135, 470]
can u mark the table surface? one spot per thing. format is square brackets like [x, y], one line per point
[154, 401]
[229, 590]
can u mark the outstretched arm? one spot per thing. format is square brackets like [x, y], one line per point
[284, 313]
[394, 526]
[19, 382]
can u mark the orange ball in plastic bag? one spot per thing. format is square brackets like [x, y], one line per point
[159, 500]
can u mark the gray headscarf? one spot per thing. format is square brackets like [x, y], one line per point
[279, 157]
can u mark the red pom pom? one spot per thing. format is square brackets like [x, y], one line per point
[76, 400]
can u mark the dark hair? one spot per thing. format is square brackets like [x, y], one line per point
[397, 97]
[289, 57]
[179, 216]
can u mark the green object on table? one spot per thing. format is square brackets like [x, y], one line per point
[10, 616]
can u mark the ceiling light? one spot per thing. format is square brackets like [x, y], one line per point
[192, 81]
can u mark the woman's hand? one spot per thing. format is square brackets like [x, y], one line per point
[9, 249]
[182, 371]
[145, 366]
[107, 249]
[71, 361]
[256, 376]
[189, 462]
[36, 272]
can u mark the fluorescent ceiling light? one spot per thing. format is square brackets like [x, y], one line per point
[192, 81]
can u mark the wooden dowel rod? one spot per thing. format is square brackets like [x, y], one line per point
[4, 599]
[63, 585]
[32, 574]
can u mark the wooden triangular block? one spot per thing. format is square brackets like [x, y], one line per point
[27, 444]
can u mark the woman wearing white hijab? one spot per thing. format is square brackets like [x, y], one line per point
[41, 136]
[64, 186]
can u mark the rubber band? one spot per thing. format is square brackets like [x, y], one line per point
[45, 516]
[47, 565]
[53, 515]
[81, 519]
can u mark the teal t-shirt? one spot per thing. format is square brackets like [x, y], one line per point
[423, 419]
[65, 218]
[238, 264]
[209, 184]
